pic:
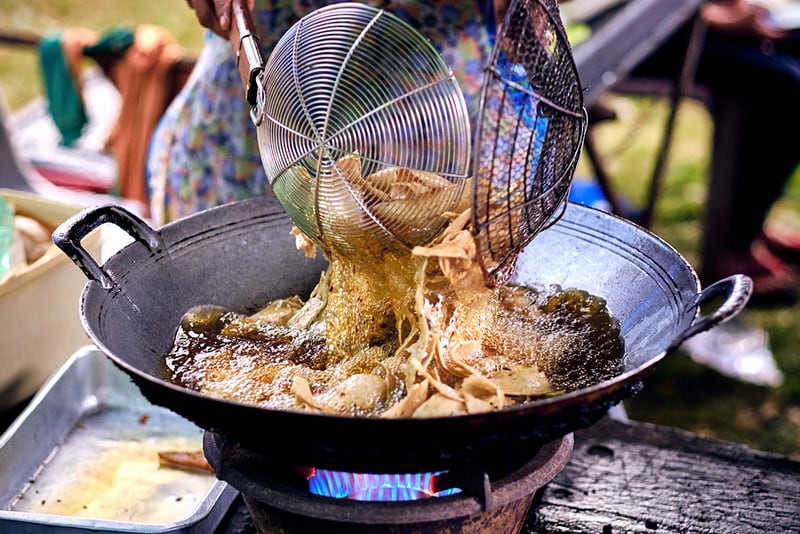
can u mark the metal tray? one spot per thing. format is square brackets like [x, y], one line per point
[82, 457]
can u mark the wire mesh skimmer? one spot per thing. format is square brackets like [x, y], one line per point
[365, 135]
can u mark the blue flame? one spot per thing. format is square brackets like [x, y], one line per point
[376, 487]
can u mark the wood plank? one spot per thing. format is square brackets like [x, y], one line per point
[638, 477]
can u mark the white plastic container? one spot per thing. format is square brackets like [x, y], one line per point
[40, 324]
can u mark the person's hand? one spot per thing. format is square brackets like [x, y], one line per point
[740, 17]
[216, 14]
[500, 8]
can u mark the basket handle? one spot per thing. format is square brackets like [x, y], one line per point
[247, 48]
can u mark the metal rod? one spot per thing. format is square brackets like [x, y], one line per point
[688, 69]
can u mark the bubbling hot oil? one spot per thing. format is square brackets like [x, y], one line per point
[406, 333]
[566, 334]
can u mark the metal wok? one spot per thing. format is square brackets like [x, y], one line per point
[241, 256]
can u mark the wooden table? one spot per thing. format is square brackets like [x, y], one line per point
[623, 38]
[636, 477]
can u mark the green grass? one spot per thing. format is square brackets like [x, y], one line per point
[680, 393]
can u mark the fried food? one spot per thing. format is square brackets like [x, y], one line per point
[402, 334]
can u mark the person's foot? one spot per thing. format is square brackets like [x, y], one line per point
[774, 281]
[782, 244]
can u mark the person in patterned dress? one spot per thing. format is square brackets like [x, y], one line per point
[204, 151]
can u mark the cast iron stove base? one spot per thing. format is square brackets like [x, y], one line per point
[278, 503]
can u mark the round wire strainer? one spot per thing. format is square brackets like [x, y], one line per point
[364, 133]
[529, 137]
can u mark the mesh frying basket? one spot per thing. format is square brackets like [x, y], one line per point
[365, 134]
[529, 136]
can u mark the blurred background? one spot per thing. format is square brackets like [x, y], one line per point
[683, 392]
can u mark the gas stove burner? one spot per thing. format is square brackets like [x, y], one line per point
[467, 501]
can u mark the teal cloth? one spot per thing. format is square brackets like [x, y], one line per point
[64, 100]
[114, 43]
[63, 95]
[6, 236]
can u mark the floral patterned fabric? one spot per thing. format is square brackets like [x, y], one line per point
[204, 151]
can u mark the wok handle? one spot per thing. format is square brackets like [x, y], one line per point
[247, 47]
[736, 290]
[69, 234]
